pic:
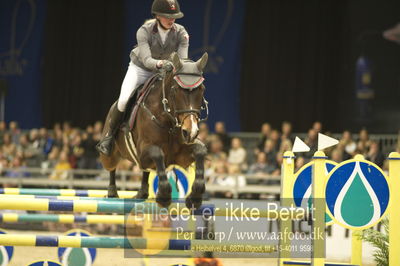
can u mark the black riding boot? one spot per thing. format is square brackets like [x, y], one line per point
[105, 145]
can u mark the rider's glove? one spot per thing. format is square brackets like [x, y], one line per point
[165, 65]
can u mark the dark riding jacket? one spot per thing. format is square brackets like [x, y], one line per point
[150, 48]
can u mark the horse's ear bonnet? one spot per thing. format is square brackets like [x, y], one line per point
[190, 74]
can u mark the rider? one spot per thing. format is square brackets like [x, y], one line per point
[156, 40]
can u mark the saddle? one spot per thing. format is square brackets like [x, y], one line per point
[135, 100]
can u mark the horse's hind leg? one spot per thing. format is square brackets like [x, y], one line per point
[112, 187]
[164, 188]
[143, 192]
[195, 198]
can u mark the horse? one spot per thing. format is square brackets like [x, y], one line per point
[165, 131]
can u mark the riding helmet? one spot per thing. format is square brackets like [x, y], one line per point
[166, 8]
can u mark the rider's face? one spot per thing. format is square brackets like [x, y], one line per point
[166, 22]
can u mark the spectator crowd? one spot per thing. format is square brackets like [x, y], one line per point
[230, 162]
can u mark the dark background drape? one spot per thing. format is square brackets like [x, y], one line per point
[87, 45]
[294, 60]
[299, 60]
[83, 58]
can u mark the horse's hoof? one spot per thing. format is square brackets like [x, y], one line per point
[112, 195]
[142, 195]
[164, 202]
[164, 198]
[164, 194]
[195, 199]
[193, 202]
[112, 192]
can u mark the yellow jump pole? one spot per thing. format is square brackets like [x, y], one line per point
[287, 183]
[356, 247]
[394, 213]
[319, 207]
[356, 242]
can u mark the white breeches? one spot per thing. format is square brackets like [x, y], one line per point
[135, 76]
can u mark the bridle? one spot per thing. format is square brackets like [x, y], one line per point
[173, 116]
[173, 113]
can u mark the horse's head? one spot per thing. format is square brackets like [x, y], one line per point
[187, 95]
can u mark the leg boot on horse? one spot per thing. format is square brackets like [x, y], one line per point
[143, 192]
[195, 199]
[156, 155]
[105, 146]
[112, 187]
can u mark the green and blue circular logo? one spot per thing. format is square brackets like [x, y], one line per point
[77, 256]
[357, 194]
[179, 180]
[6, 253]
[302, 189]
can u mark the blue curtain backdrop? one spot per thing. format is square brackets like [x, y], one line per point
[21, 31]
[214, 26]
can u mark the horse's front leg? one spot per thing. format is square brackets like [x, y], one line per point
[195, 198]
[163, 196]
[143, 192]
[112, 187]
